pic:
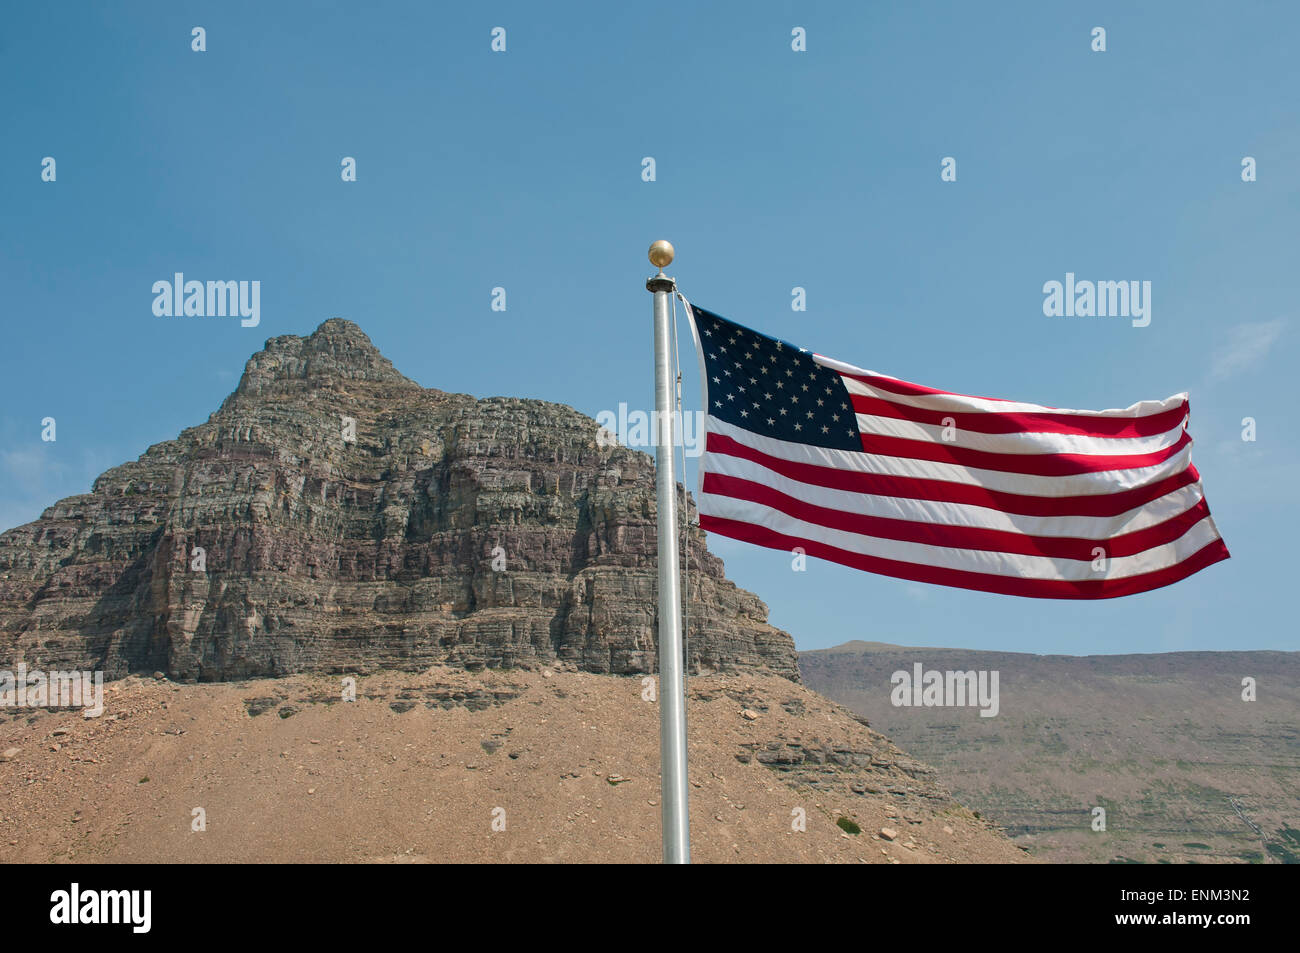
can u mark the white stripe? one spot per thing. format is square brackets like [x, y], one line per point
[963, 514]
[960, 403]
[1081, 484]
[704, 392]
[972, 560]
[1022, 442]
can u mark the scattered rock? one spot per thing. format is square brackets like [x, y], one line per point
[887, 833]
[259, 706]
[10, 754]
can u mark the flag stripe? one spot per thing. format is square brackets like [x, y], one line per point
[953, 557]
[1024, 442]
[1212, 552]
[1058, 464]
[888, 476]
[966, 537]
[899, 392]
[966, 421]
[952, 513]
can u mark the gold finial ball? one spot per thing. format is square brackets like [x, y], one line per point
[661, 254]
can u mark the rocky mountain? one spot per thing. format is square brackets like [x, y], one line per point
[1185, 767]
[335, 516]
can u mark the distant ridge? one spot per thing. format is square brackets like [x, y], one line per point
[1163, 742]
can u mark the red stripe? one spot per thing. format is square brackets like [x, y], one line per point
[1032, 464]
[996, 423]
[915, 488]
[958, 537]
[1209, 554]
[895, 386]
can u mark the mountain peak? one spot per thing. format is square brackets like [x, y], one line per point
[338, 350]
[350, 520]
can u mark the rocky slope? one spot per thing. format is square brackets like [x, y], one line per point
[265, 542]
[450, 765]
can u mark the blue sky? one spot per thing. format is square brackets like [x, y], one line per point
[774, 169]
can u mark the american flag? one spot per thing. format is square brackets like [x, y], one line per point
[866, 470]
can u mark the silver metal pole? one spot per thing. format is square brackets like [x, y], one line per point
[672, 696]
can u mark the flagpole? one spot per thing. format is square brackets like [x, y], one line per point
[672, 700]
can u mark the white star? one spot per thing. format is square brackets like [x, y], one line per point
[798, 426]
[835, 418]
[762, 370]
[805, 386]
[717, 380]
[782, 411]
[825, 429]
[819, 401]
[771, 422]
[731, 397]
[744, 413]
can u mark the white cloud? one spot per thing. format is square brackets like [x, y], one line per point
[1247, 345]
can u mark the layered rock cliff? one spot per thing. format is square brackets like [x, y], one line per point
[469, 532]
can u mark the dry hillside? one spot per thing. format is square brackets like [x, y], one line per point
[414, 769]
